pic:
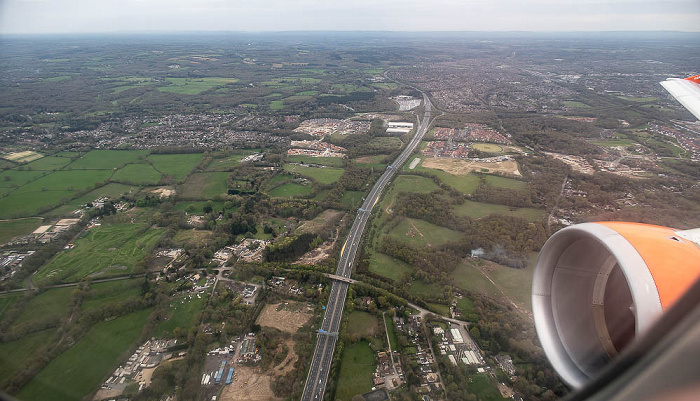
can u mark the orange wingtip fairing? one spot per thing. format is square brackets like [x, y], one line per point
[695, 79]
[674, 263]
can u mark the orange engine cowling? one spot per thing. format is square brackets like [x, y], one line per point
[597, 286]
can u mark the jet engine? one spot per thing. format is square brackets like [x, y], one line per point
[597, 286]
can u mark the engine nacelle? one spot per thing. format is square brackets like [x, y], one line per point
[597, 286]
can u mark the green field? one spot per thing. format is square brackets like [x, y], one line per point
[175, 165]
[440, 309]
[79, 370]
[194, 86]
[183, 314]
[478, 210]
[137, 174]
[205, 185]
[502, 182]
[66, 180]
[356, 367]
[23, 204]
[291, 189]
[326, 161]
[16, 178]
[352, 198]
[107, 159]
[13, 228]
[414, 183]
[466, 305]
[487, 147]
[15, 354]
[516, 283]
[51, 303]
[48, 163]
[363, 324]
[111, 292]
[276, 104]
[420, 233]
[6, 302]
[108, 250]
[468, 278]
[323, 175]
[425, 290]
[388, 266]
[483, 388]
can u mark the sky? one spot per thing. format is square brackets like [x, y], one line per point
[85, 16]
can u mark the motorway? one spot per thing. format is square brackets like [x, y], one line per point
[328, 334]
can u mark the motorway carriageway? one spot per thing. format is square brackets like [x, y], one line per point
[328, 334]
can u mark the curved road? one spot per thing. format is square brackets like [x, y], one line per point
[328, 334]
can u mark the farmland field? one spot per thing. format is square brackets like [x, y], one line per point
[478, 209]
[363, 324]
[420, 233]
[108, 250]
[324, 175]
[388, 266]
[482, 386]
[175, 165]
[291, 189]
[48, 163]
[414, 183]
[79, 370]
[23, 204]
[51, 303]
[15, 354]
[107, 159]
[16, 178]
[66, 180]
[13, 228]
[137, 174]
[205, 185]
[110, 292]
[356, 367]
[6, 302]
[194, 86]
[23, 157]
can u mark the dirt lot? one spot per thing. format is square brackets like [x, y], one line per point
[287, 316]
[464, 167]
[328, 217]
[163, 192]
[251, 385]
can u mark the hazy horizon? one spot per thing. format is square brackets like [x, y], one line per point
[105, 16]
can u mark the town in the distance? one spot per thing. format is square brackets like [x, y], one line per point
[315, 216]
